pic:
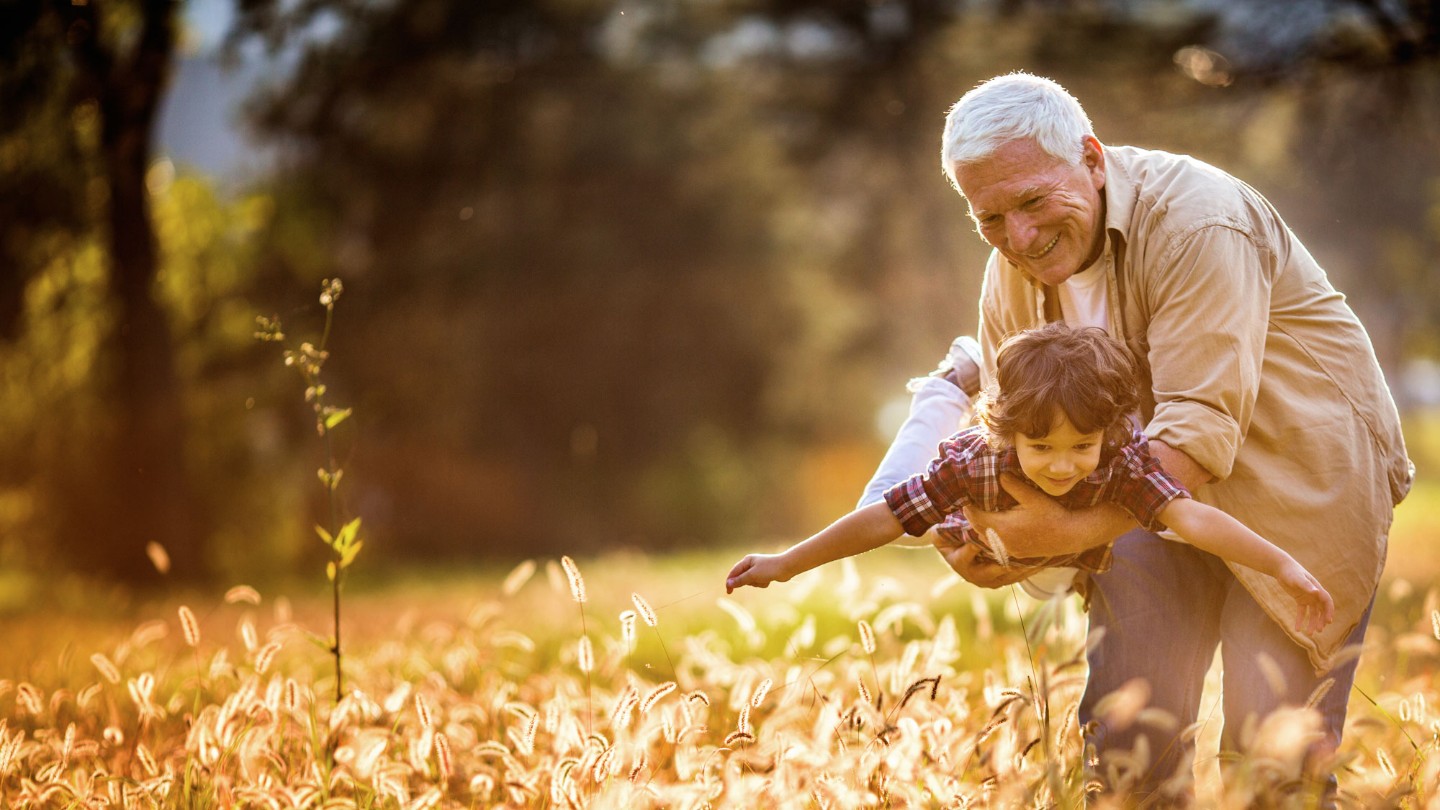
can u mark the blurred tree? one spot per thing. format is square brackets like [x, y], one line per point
[81, 85]
[568, 222]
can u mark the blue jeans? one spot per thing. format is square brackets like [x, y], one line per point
[1164, 608]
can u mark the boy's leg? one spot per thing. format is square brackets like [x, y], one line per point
[1248, 637]
[1154, 626]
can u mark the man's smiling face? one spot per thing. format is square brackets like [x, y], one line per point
[1045, 215]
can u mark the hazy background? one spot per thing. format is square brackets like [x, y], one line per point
[644, 274]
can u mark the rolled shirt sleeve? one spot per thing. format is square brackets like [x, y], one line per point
[925, 499]
[1209, 313]
[1142, 487]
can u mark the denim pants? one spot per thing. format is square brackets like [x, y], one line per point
[1159, 614]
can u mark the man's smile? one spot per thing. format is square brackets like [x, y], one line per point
[1043, 251]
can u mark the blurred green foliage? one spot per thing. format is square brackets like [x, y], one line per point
[644, 273]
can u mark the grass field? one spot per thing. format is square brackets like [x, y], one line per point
[882, 682]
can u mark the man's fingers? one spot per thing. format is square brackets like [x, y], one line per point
[1020, 491]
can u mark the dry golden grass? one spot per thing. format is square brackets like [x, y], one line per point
[891, 688]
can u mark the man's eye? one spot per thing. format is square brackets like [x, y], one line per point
[1032, 203]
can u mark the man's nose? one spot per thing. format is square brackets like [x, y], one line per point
[1020, 231]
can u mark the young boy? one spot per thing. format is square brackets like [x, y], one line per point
[1059, 420]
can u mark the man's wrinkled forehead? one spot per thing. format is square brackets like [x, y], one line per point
[1010, 198]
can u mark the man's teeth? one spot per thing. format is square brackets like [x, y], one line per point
[1044, 250]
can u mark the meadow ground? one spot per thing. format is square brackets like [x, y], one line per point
[881, 681]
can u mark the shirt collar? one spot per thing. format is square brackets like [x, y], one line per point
[1119, 195]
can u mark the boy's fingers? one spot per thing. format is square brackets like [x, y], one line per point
[741, 567]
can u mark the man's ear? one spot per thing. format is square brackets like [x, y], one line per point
[1093, 156]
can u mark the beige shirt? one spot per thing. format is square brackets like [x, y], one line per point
[1254, 366]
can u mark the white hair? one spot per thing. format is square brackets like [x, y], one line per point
[1010, 108]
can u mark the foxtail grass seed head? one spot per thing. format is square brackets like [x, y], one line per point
[82, 700]
[422, 709]
[638, 768]
[1435, 623]
[443, 757]
[106, 668]
[531, 726]
[647, 613]
[867, 637]
[265, 657]
[189, 626]
[997, 548]
[606, 764]
[627, 628]
[654, 695]
[864, 690]
[1385, 764]
[735, 738]
[518, 576]
[577, 582]
[742, 722]
[242, 593]
[247, 635]
[141, 689]
[760, 692]
[29, 698]
[585, 655]
[1319, 693]
[159, 557]
[146, 760]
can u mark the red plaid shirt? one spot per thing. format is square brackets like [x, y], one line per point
[968, 470]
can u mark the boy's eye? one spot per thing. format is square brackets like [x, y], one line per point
[1084, 445]
[1039, 447]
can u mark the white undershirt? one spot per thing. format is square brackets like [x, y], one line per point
[1084, 297]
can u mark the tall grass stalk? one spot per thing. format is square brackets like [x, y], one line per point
[343, 539]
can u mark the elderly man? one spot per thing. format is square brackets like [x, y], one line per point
[1263, 396]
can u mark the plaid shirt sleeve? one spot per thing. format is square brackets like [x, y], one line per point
[923, 500]
[1141, 486]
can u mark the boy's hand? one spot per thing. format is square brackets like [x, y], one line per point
[1316, 608]
[757, 570]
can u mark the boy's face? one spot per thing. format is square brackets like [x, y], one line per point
[1060, 459]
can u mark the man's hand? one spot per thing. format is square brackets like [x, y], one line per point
[964, 559]
[758, 570]
[1041, 527]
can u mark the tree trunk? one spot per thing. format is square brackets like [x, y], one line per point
[147, 496]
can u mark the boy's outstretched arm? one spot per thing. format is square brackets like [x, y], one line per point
[1210, 529]
[866, 528]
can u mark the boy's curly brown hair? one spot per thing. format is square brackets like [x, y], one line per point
[1084, 373]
